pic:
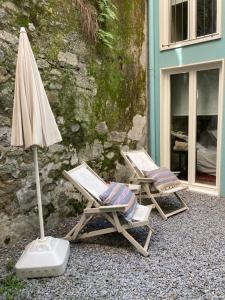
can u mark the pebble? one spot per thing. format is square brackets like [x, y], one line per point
[186, 261]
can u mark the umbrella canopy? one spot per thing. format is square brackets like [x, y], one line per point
[33, 121]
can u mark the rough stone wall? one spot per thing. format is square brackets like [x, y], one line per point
[98, 96]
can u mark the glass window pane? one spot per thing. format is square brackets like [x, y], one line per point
[179, 20]
[206, 17]
[179, 85]
[206, 134]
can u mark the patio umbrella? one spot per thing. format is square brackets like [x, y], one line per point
[33, 122]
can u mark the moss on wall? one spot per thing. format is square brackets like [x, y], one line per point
[120, 77]
[87, 85]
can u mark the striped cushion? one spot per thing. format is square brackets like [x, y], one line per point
[163, 179]
[117, 194]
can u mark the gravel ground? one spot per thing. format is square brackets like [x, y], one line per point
[187, 261]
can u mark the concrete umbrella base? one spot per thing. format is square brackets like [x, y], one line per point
[45, 257]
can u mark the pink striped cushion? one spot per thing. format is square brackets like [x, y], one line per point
[118, 193]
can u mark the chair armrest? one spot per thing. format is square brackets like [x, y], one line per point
[141, 180]
[104, 209]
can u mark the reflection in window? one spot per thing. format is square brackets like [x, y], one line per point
[179, 85]
[179, 20]
[207, 118]
[206, 17]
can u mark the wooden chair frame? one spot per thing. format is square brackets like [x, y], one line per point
[110, 213]
[138, 178]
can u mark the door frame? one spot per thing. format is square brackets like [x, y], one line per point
[165, 113]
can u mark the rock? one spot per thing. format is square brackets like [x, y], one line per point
[2, 56]
[55, 86]
[55, 72]
[56, 148]
[68, 58]
[74, 159]
[10, 6]
[136, 132]
[27, 195]
[107, 145]
[117, 136]
[2, 13]
[8, 37]
[101, 128]
[4, 121]
[31, 27]
[4, 76]
[42, 64]
[53, 96]
[5, 136]
[75, 127]
[11, 232]
[91, 152]
[110, 155]
[97, 149]
[122, 173]
[60, 120]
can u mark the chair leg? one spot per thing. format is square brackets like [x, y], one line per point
[161, 212]
[72, 235]
[147, 191]
[150, 232]
[182, 201]
[135, 243]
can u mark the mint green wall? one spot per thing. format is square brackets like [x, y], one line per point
[201, 52]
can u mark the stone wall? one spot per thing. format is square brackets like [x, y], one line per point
[97, 94]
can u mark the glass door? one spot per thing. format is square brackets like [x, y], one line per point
[206, 126]
[191, 109]
[179, 87]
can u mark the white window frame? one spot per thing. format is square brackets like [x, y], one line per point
[165, 115]
[165, 26]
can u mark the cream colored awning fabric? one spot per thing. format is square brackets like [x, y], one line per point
[33, 120]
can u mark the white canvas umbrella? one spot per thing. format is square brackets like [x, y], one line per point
[34, 125]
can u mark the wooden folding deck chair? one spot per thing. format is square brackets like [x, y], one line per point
[91, 186]
[139, 161]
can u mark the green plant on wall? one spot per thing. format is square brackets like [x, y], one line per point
[107, 13]
[94, 16]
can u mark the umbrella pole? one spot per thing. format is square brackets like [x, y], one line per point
[41, 222]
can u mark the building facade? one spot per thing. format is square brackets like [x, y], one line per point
[187, 126]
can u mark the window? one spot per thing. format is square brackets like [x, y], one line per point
[188, 21]
[191, 123]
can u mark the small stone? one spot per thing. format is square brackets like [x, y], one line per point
[2, 56]
[60, 120]
[5, 136]
[10, 6]
[75, 127]
[55, 72]
[31, 27]
[68, 58]
[4, 76]
[136, 132]
[107, 145]
[55, 86]
[42, 64]
[101, 128]
[2, 13]
[4, 121]
[8, 37]
[116, 136]
[74, 159]
[110, 155]
[56, 148]
[97, 149]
